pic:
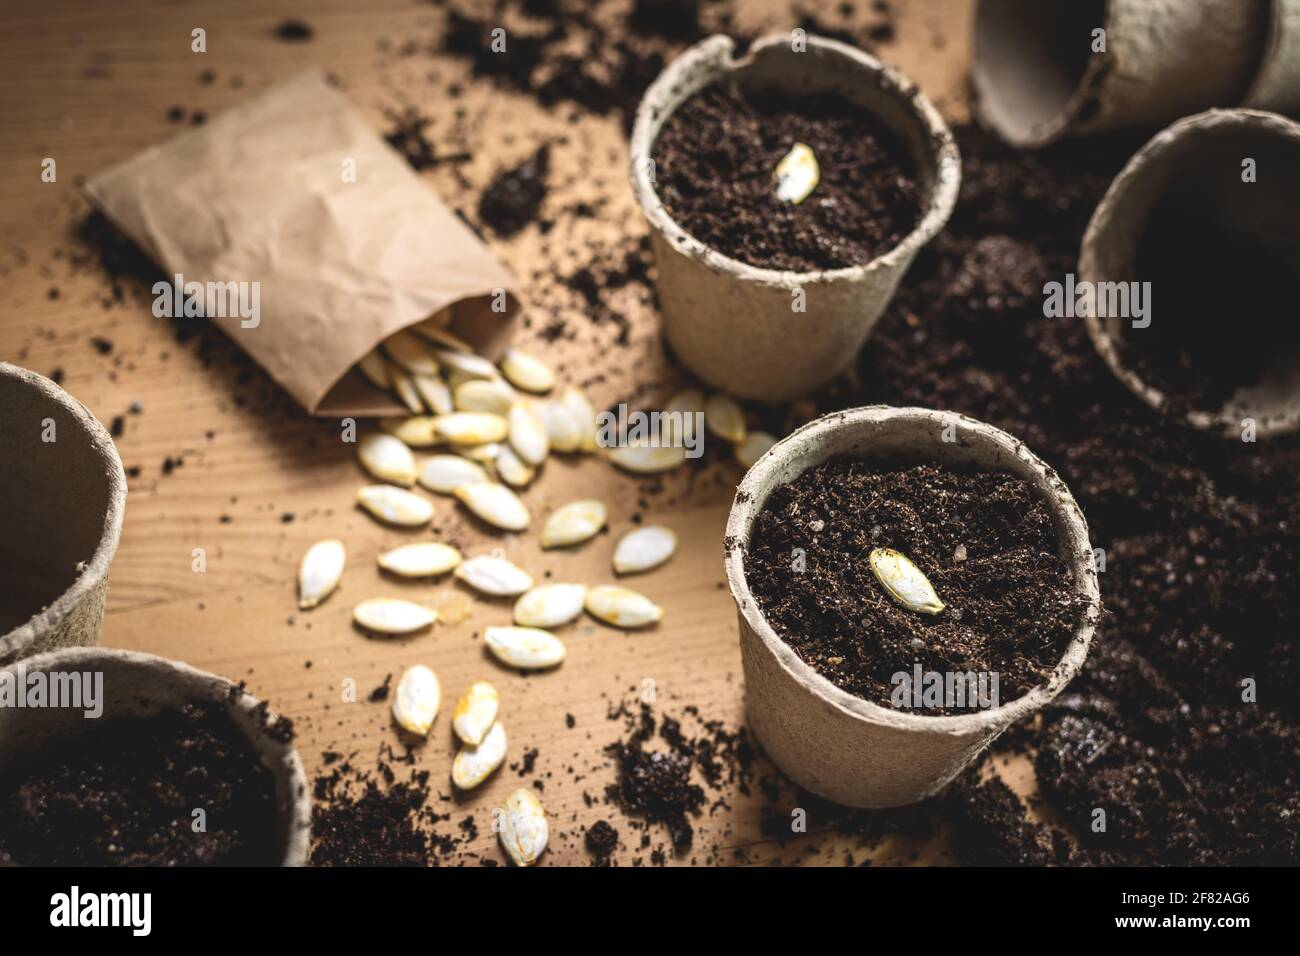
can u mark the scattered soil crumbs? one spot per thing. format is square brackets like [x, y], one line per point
[512, 199]
[984, 540]
[715, 158]
[601, 841]
[123, 794]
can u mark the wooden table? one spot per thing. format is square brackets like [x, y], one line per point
[89, 84]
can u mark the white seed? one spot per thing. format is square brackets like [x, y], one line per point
[550, 605]
[527, 434]
[797, 174]
[724, 418]
[422, 560]
[434, 392]
[573, 523]
[392, 616]
[387, 458]
[526, 372]
[904, 581]
[563, 429]
[320, 571]
[526, 648]
[445, 473]
[524, 830]
[414, 431]
[411, 353]
[466, 364]
[643, 459]
[405, 388]
[496, 504]
[473, 765]
[395, 505]
[435, 330]
[484, 454]
[512, 470]
[644, 548]
[494, 575]
[584, 415]
[476, 712]
[622, 607]
[688, 401]
[417, 699]
[485, 395]
[685, 410]
[753, 448]
[471, 428]
[375, 370]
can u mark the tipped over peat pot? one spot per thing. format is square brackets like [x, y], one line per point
[181, 739]
[777, 333]
[843, 746]
[1217, 245]
[62, 497]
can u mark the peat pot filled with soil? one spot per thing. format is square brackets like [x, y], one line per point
[788, 191]
[115, 758]
[909, 584]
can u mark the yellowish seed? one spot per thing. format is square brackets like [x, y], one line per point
[411, 353]
[527, 434]
[524, 371]
[622, 606]
[422, 560]
[387, 458]
[395, 505]
[574, 523]
[513, 471]
[320, 572]
[490, 395]
[527, 648]
[392, 616]
[473, 765]
[475, 712]
[904, 581]
[495, 576]
[797, 174]
[471, 428]
[417, 700]
[496, 504]
[445, 473]
[753, 448]
[550, 605]
[643, 459]
[434, 392]
[414, 431]
[724, 417]
[644, 548]
[524, 831]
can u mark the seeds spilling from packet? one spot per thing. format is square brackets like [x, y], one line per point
[395, 505]
[495, 576]
[445, 473]
[435, 330]
[724, 417]
[645, 459]
[904, 581]
[423, 560]
[580, 408]
[484, 454]
[417, 699]
[550, 605]
[392, 616]
[523, 828]
[644, 548]
[527, 648]
[473, 765]
[404, 386]
[564, 430]
[622, 607]
[465, 365]
[414, 431]
[573, 523]
[495, 504]
[512, 470]
[375, 369]
[471, 428]
[524, 371]
[411, 353]
[753, 448]
[387, 458]
[320, 571]
[797, 174]
[475, 712]
[528, 435]
[434, 392]
[489, 395]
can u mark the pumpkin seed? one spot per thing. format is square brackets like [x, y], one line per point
[904, 581]
[622, 607]
[550, 605]
[688, 401]
[644, 459]
[434, 392]
[411, 353]
[512, 470]
[584, 415]
[320, 571]
[405, 388]
[466, 364]
[392, 616]
[644, 548]
[496, 504]
[395, 505]
[476, 712]
[374, 369]
[485, 395]
[563, 429]
[524, 830]
[435, 330]
[471, 428]
[473, 765]
[573, 523]
[494, 575]
[445, 473]
[724, 417]
[527, 648]
[524, 371]
[753, 448]
[423, 560]
[414, 431]
[417, 699]
[527, 434]
[387, 458]
[797, 174]
[484, 454]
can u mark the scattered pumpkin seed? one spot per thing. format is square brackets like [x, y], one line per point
[466, 364]
[904, 581]
[573, 523]
[583, 413]
[644, 548]
[473, 765]
[392, 616]
[724, 417]
[753, 448]
[476, 712]
[395, 505]
[512, 470]
[422, 560]
[434, 392]
[494, 575]
[527, 648]
[414, 431]
[484, 454]
[445, 473]
[524, 371]
[374, 368]
[527, 434]
[387, 459]
[524, 830]
[471, 428]
[417, 700]
[496, 504]
[688, 401]
[563, 429]
[622, 606]
[797, 174]
[411, 353]
[320, 571]
[405, 388]
[485, 395]
[645, 459]
[550, 605]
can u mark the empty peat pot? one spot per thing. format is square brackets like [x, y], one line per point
[1220, 250]
[139, 685]
[733, 324]
[1038, 76]
[62, 496]
[841, 746]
